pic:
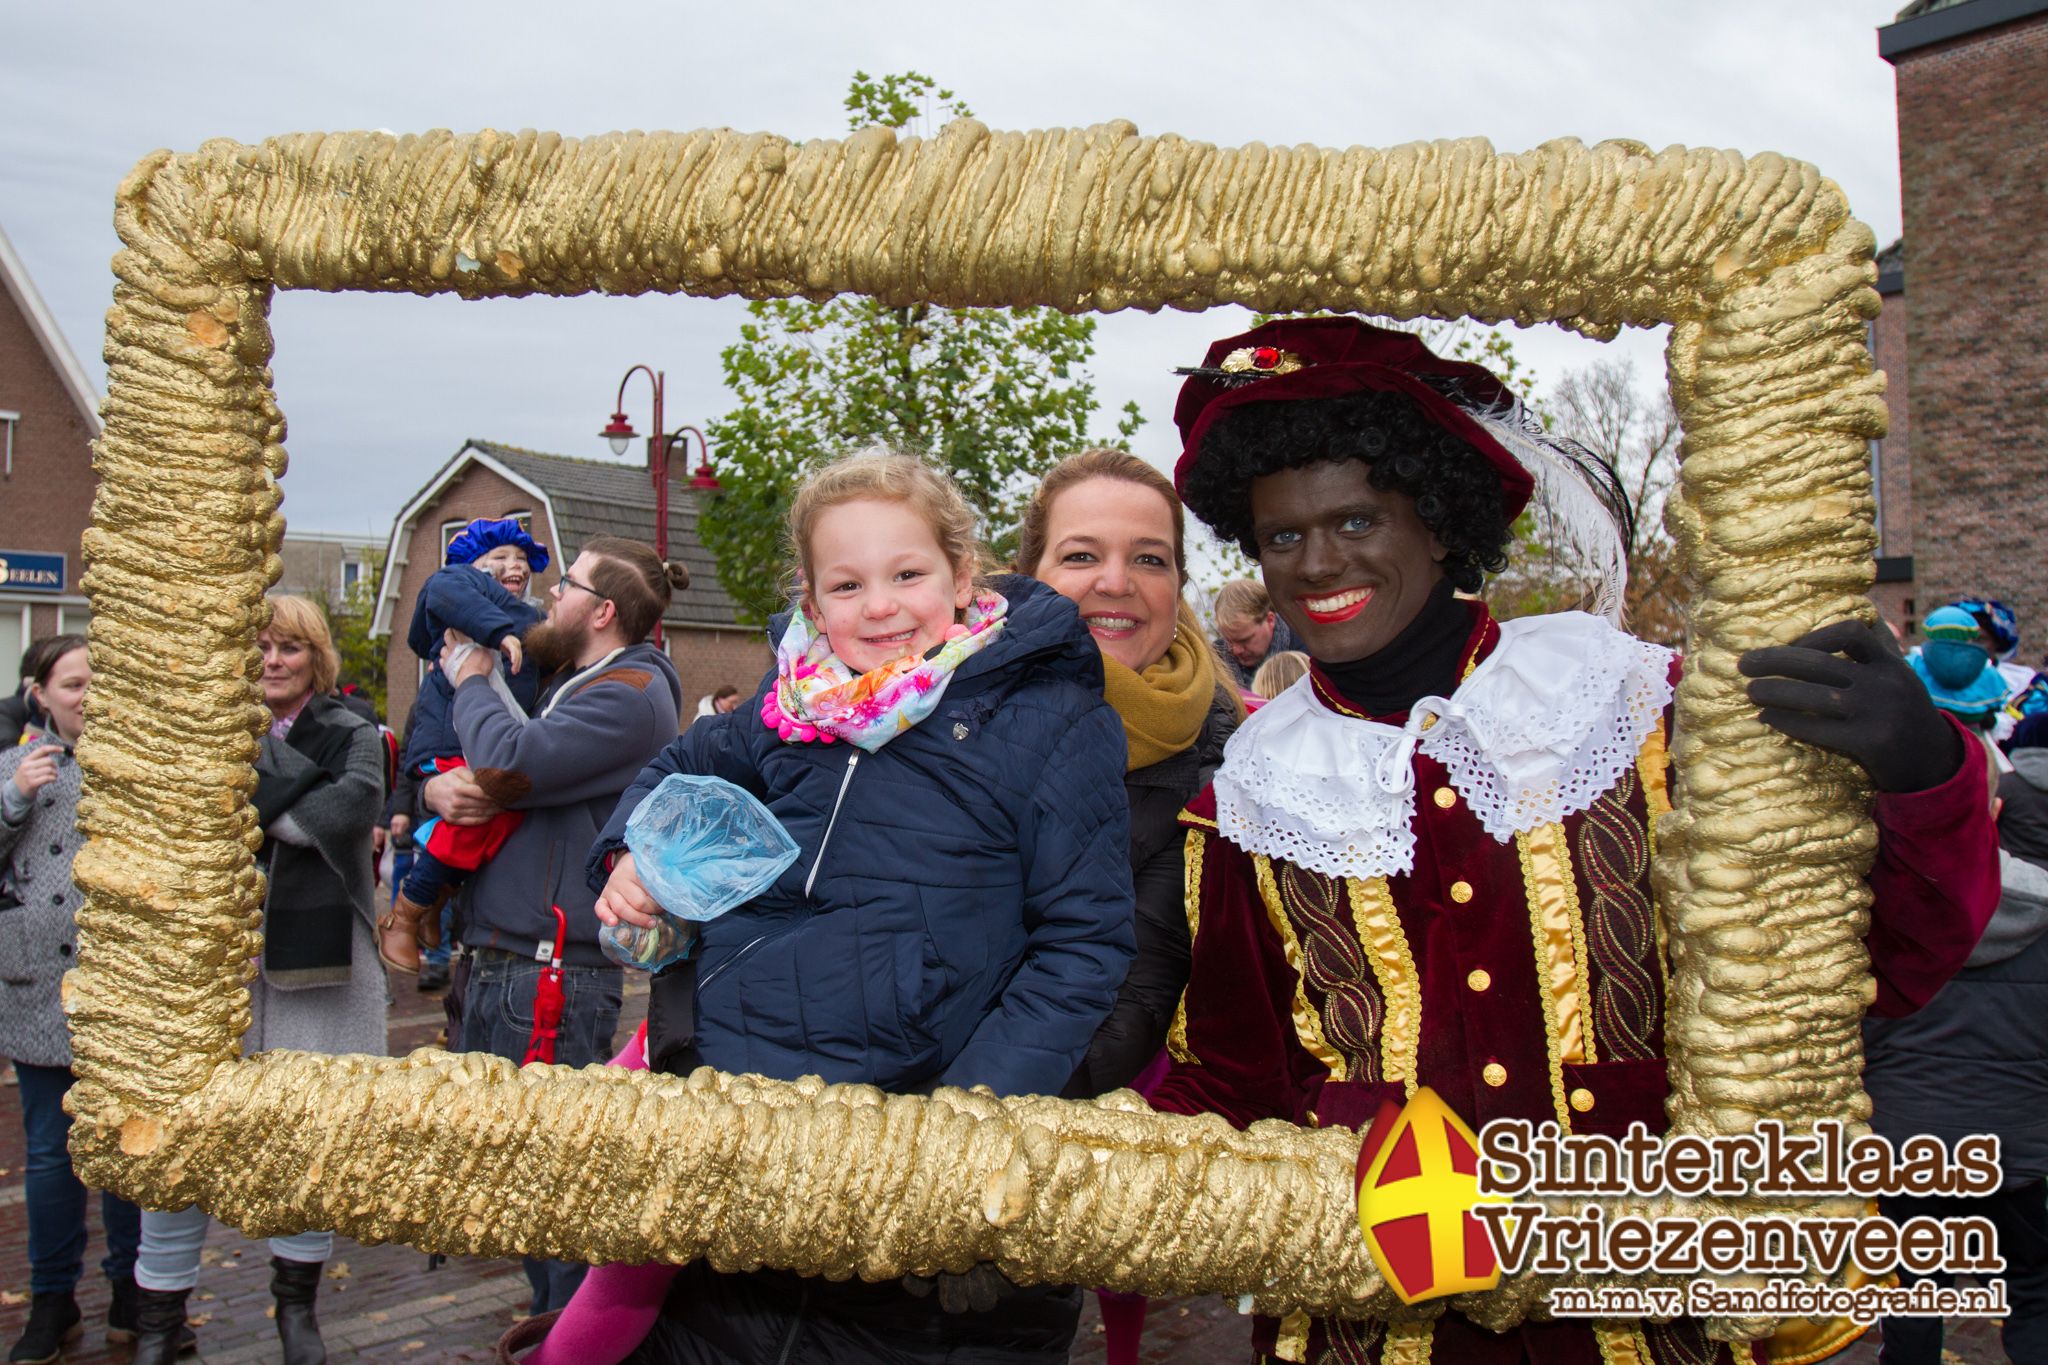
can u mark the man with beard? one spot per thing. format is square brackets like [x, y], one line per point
[612, 708]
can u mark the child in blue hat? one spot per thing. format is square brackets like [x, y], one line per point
[480, 594]
[1955, 666]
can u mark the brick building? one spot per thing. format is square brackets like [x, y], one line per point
[566, 502]
[328, 564]
[1972, 80]
[1891, 465]
[49, 417]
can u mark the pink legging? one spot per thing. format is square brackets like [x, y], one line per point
[615, 1307]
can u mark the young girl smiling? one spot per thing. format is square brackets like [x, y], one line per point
[960, 913]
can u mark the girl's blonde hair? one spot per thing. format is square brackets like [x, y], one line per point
[1279, 673]
[298, 621]
[886, 476]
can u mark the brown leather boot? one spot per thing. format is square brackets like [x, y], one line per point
[398, 934]
[430, 922]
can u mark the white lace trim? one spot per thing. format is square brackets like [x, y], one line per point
[1543, 726]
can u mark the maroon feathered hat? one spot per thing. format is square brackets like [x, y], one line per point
[1329, 357]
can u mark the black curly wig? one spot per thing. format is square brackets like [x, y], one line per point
[1456, 492]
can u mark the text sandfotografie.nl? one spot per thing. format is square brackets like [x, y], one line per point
[1864, 1304]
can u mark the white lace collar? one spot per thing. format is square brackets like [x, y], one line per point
[1539, 730]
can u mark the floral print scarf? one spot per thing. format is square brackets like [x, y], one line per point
[817, 698]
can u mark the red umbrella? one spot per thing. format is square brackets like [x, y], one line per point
[547, 999]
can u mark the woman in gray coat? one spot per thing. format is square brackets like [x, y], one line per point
[319, 985]
[38, 935]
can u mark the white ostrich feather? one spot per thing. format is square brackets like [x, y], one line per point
[1579, 497]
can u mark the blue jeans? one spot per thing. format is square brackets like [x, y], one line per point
[497, 1017]
[172, 1243]
[56, 1198]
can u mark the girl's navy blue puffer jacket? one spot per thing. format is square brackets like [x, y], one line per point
[960, 912]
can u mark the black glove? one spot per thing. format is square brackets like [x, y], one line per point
[1869, 706]
[977, 1291]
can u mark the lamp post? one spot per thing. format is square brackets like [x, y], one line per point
[619, 432]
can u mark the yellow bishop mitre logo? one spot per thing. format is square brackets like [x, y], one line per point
[1418, 1181]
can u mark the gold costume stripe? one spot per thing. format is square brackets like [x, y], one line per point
[1308, 1025]
[1553, 909]
[1408, 1343]
[1191, 902]
[1292, 1342]
[1622, 1344]
[1653, 766]
[1393, 964]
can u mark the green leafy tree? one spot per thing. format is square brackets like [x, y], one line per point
[993, 395]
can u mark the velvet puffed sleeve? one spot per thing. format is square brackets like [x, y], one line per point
[1934, 885]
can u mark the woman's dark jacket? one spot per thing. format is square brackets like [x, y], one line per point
[324, 778]
[968, 919]
[1136, 1028]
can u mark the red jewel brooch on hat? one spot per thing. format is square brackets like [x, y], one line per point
[1247, 364]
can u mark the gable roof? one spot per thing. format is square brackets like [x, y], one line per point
[14, 277]
[584, 498]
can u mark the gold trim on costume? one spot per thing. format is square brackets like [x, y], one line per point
[1556, 931]
[1191, 903]
[1292, 1341]
[1393, 964]
[1408, 1343]
[1622, 1344]
[1308, 1025]
[1653, 766]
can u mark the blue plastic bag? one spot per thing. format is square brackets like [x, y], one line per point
[700, 846]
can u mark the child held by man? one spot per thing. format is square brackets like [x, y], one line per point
[480, 594]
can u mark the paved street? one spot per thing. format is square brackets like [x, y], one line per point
[385, 1304]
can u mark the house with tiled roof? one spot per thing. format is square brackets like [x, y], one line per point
[564, 502]
[49, 416]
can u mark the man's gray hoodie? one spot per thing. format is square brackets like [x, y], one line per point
[1975, 1058]
[2023, 823]
[566, 767]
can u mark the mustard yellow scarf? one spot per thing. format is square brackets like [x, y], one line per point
[1163, 707]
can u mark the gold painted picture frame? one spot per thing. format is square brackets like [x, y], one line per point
[1764, 277]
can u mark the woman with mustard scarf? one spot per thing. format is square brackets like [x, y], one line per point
[1105, 530]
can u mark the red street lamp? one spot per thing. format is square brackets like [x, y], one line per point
[619, 432]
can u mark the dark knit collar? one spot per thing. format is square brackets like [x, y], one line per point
[1428, 658]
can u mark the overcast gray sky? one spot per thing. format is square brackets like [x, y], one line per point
[380, 389]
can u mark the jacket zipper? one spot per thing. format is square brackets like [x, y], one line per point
[746, 949]
[852, 762]
[740, 956]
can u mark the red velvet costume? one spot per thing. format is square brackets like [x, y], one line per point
[1523, 978]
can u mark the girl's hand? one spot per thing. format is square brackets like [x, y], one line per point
[37, 771]
[515, 653]
[625, 900]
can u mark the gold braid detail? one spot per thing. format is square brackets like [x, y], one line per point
[1191, 901]
[1308, 1023]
